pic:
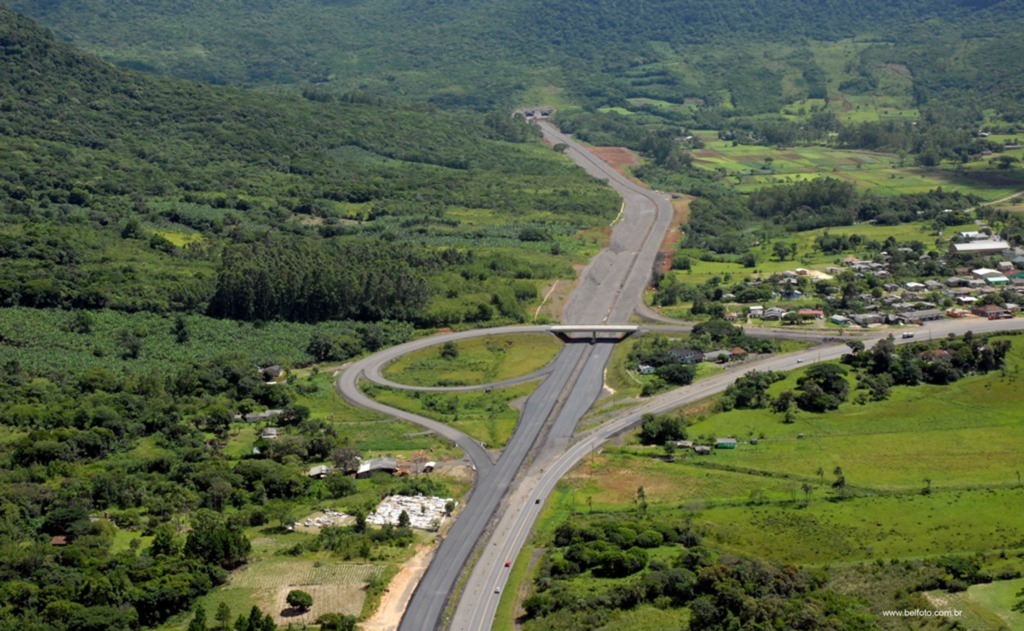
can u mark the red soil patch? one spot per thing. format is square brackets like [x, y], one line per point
[681, 216]
[618, 157]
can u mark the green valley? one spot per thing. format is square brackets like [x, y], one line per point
[215, 216]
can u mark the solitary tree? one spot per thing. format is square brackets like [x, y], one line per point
[670, 450]
[182, 334]
[223, 616]
[198, 622]
[641, 500]
[299, 600]
[840, 484]
[807, 489]
[450, 350]
[403, 519]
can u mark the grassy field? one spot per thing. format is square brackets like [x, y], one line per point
[750, 167]
[959, 435]
[336, 587]
[366, 430]
[479, 361]
[864, 529]
[487, 416]
[808, 255]
[931, 472]
[994, 601]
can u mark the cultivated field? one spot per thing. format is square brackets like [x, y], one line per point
[335, 588]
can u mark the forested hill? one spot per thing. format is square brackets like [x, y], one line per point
[490, 52]
[119, 189]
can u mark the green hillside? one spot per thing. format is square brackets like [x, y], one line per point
[749, 55]
[123, 190]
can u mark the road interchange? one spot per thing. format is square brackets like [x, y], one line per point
[610, 285]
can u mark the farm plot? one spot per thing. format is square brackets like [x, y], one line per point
[335, 588]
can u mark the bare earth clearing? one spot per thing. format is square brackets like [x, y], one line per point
[396, 598]
[618, 157]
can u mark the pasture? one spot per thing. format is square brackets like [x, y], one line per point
[931, 472]
[959, 435]
[750, 167]
[868, 528]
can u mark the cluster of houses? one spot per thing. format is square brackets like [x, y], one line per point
[704, 450]
[908, 303]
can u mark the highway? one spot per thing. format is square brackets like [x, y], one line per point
[610, 285]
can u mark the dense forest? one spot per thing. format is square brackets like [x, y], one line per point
[126, 191]
[747, 56]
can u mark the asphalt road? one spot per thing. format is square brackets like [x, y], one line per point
[609, 286]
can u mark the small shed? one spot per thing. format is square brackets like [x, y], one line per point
[320, 471]
[272, 373]
[701, 450]
[725, 443]
[376, 465]
[269, 433]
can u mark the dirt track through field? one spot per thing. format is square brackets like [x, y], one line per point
[396, 599]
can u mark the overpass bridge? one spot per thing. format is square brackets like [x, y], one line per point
[593, 333]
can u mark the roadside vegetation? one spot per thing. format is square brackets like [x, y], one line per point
[476, 361]
[489, 416]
